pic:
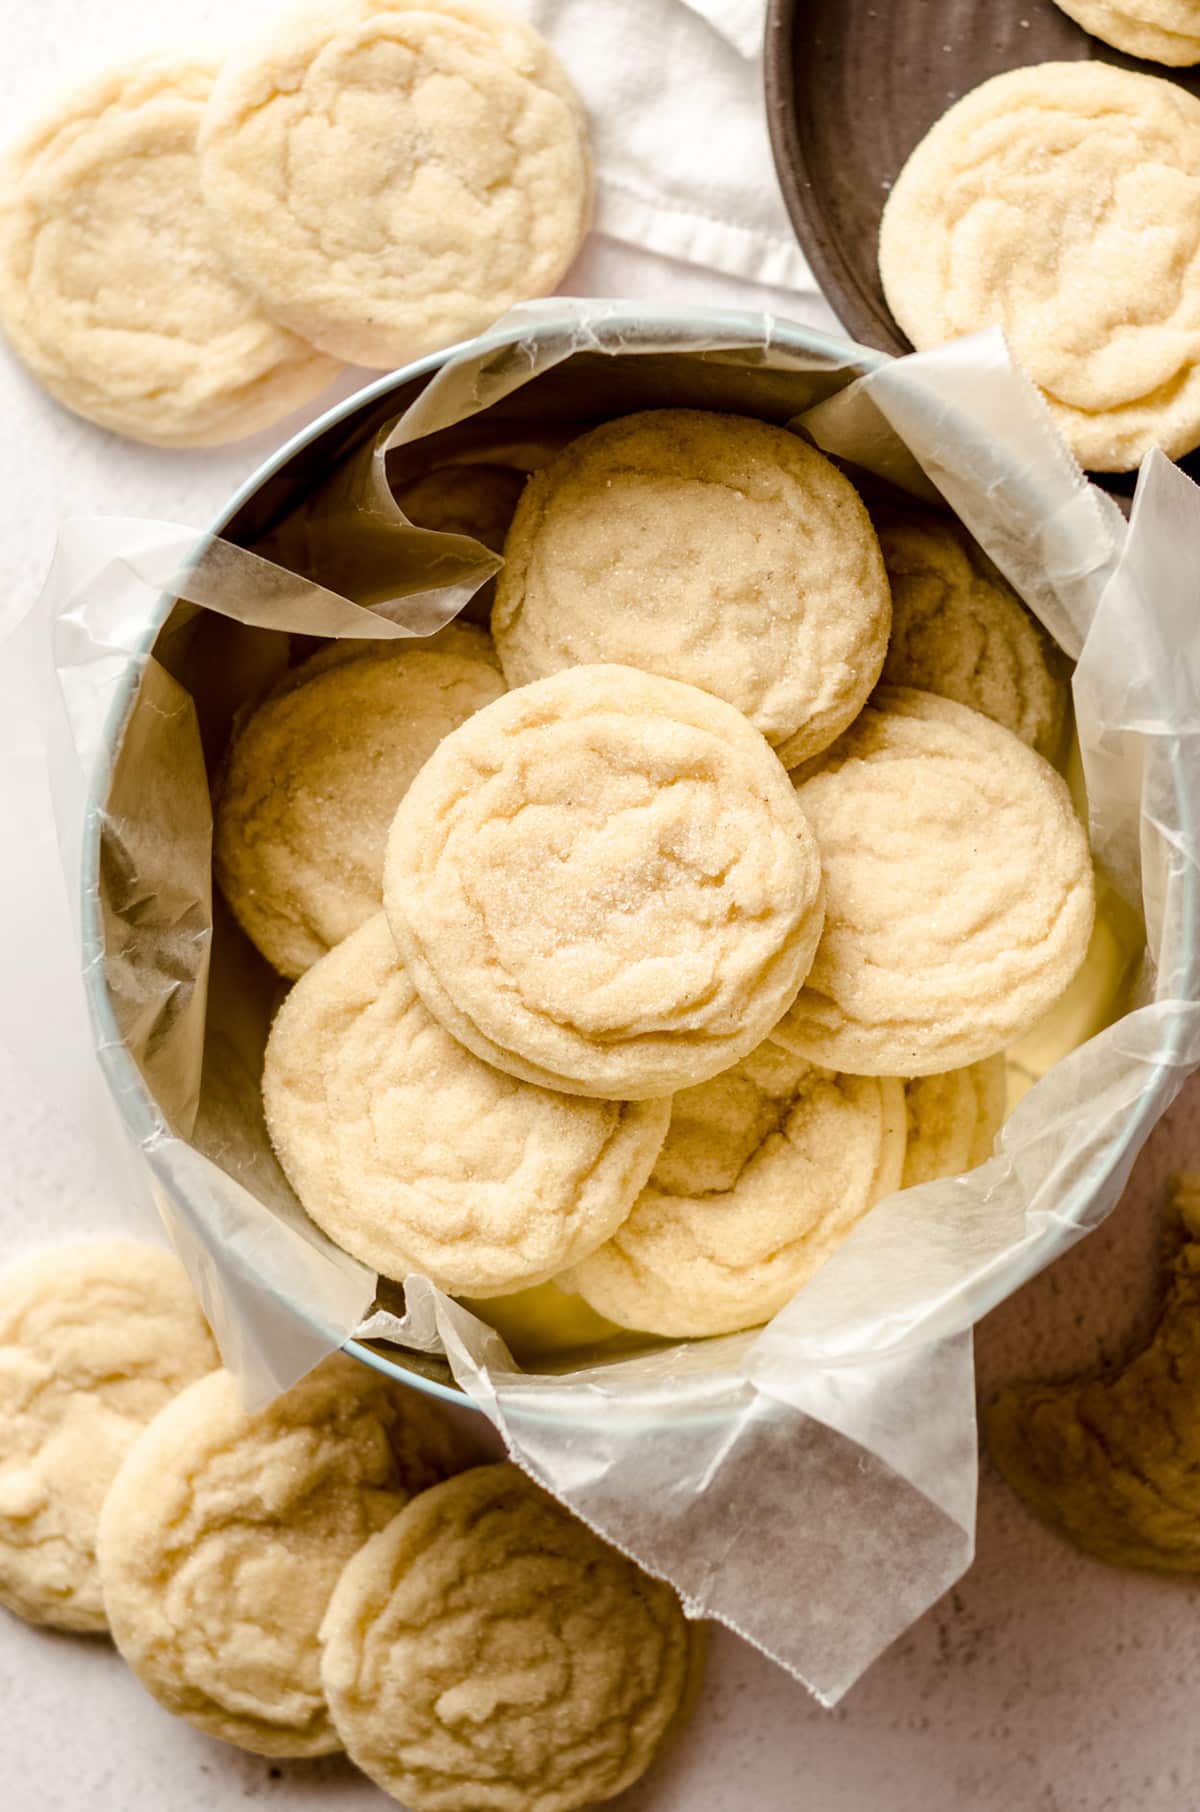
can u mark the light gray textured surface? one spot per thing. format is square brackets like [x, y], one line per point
[1044, 1683]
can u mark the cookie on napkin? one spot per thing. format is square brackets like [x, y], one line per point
[389, 176]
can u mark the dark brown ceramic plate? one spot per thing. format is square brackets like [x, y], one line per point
[853, 85]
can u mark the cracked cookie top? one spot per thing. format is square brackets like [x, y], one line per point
[959, 891]
[1061, 202]
[315, 772]
[764, 1172]
[94, 1340]
[225, 1532]
[486, 1649]
[415, 1156]
[959, 629]
[709, 548]
[389, 176]
[603, 883]
[1110, 1460]
[113, 287]
[953, 1119]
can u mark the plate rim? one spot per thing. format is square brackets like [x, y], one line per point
[825, 258]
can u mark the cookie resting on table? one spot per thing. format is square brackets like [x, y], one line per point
[226, 1530]
[390, 176]
[95, 1339]
[1111, 1461]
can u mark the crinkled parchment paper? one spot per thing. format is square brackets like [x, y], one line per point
[810, 1484]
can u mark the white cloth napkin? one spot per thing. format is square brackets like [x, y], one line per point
[673, 90]
[741, 21]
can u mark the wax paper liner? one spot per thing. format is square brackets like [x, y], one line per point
[810, 1484]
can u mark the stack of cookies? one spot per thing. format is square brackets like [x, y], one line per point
[335, 1571]
[647, 943]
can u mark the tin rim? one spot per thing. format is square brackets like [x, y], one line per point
[619, 333]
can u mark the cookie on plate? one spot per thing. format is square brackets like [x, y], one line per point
[959, 629]
[315, 773]
[113, 290]
[1109, 1460]
[1057, 202]
[1161, 31]
[603, 883]
[764, 1172]
[94, 1340]
[959, 891]
[709, 548]
[953, 1119]
[486, 1649]
[415, 1156]
[389, 176]
[225, 1532]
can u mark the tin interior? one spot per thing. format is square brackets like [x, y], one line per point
[222, 663]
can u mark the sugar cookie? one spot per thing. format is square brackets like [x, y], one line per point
[545, 1321]
[94, 1340]
[112, 288]
[603, 883]
[1062, 203]
[315, 773]
[765, 1171]
[1110, 1460]
[959, 891]
[709, 548]
[953, 1119]
[959, 629]
[467, 499]
[415, 1156]
[225, 1532]
[1162, 31]
[388, 176]
[486, 1649]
